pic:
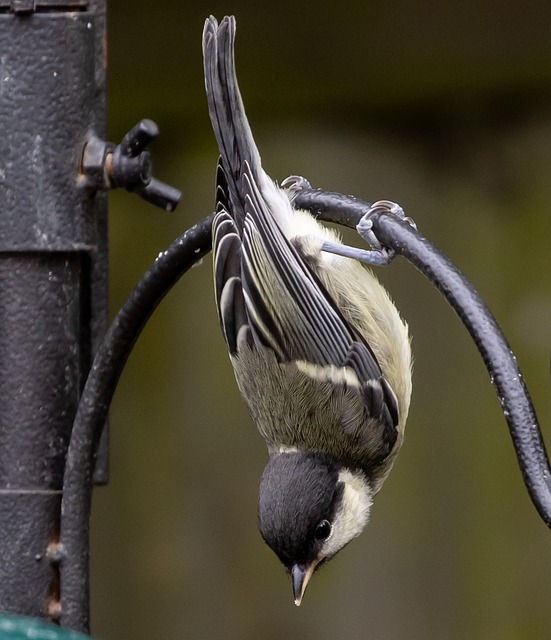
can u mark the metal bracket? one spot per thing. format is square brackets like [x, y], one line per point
[127, 165]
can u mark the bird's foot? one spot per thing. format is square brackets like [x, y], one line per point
[365, 225]
[294, 184]
[379, 255]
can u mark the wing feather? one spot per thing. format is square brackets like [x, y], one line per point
[306, 316]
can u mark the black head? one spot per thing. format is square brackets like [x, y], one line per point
[300, 494]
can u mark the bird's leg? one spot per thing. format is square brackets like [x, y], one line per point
[379, 255]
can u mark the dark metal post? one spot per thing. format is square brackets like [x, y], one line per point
[53, 251]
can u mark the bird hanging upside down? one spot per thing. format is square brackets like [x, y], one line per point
[320, 353]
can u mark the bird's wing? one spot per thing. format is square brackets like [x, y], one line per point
[256, 265]
[289, 309]
[305, 324]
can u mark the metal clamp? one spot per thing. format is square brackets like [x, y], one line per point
[127, 165]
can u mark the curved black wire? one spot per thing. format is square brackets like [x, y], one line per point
[92, 413]
[165, 272]
[500, 361]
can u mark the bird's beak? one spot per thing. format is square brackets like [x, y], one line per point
[301, 576]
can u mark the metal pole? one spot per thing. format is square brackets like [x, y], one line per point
[53, 275]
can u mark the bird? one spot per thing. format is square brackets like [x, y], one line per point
[319, 351]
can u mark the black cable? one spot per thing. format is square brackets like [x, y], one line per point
[92, 413]
[500, 361]
[165, 272]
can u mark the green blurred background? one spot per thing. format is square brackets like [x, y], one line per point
[442, 107]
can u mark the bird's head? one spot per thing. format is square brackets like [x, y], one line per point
[310, 507]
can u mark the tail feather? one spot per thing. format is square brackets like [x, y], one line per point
[227, 113]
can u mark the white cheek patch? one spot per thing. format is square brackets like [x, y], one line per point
[353, 512]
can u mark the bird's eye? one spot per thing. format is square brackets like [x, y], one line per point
[323, 530]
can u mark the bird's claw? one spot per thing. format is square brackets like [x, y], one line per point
[382, 206]
[296, 184]
[365, 226]
[379, 255]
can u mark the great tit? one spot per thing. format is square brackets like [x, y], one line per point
[320, 353]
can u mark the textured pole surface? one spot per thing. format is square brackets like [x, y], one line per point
[52, 279]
